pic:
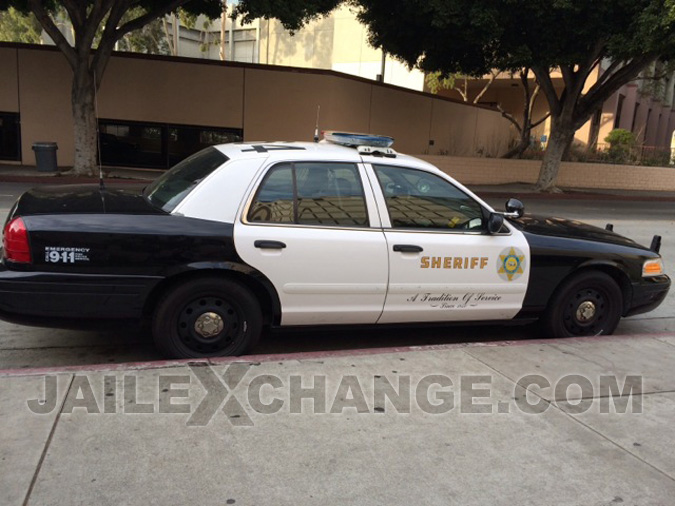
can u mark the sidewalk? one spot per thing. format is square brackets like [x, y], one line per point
[30, 175]
[534, 447]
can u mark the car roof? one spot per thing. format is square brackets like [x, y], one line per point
[313, 151]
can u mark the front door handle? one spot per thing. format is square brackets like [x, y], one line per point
[269, 244]
[408, 248]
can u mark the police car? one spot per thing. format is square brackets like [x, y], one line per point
[242, 237]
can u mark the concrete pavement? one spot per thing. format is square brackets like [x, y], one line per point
[534, 445]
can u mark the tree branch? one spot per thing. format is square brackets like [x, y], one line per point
[510, 118]
[106, 45]
[149, 16]
[48, 24]
[76, 13]
[539, 122]
[493, 76]
[598, 95]
[546, 83]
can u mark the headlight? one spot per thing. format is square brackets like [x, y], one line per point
[652, 267]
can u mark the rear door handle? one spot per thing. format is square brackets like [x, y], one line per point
[269, 244]
[408, 248]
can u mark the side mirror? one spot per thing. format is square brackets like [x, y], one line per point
[494, 223]
[514, 208]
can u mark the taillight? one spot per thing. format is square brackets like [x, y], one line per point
[15, 242]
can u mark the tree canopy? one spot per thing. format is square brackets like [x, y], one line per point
[548, 36]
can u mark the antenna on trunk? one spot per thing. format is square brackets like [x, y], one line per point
[316, 129]
[101, 183]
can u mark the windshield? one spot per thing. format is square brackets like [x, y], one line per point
[171, 188]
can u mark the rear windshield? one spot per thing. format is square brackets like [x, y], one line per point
[170, 189]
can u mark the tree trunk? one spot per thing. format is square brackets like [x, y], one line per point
[85, 122]
[561, 137]
[524, 143]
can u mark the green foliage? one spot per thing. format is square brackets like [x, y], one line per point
[476, 36]
[149, 40]
[436, 82]
[18, 27]
[293, 14]
[620, 137]
[621, 143]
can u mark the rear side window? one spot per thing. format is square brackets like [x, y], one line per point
[170, 189]
[307, 193]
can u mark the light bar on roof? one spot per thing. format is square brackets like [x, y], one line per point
[354, 139]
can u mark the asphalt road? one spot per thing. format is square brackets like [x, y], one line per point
[24, 347]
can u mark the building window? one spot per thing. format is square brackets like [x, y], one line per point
[619, 108]
[157, 145]
[635, 115]
[10, 136]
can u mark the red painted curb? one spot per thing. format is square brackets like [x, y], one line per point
[310, 355]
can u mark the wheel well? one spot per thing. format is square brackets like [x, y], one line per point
[264, 298]
[615, 273]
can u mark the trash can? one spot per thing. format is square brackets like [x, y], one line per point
[45, 156]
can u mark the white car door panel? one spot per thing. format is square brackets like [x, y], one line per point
[457, 277]
[315, 233]
[442, 264]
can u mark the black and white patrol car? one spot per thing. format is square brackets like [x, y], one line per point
[242, 237]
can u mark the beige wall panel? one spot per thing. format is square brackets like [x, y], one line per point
[282, 105]
[163, 91]
[348, 105]
[492, 135]
[404, 116]
[9, 88]
[45, 79]
[452, 129]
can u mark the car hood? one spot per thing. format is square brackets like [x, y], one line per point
[84, 199]
[570, 229]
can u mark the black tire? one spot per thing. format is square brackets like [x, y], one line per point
[588, 304]
[228, 316]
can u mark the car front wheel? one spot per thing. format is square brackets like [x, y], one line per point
[207, 317]
[588, 304]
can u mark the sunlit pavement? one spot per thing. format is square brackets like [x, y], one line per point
[582, 421]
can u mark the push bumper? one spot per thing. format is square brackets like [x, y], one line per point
[648, 294]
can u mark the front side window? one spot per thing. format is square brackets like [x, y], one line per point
[167, 191]
[419, 199]
[311, 193]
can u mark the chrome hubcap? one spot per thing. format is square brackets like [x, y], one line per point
[209, 324]
[585, 311]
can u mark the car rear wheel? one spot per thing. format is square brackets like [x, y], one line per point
[588, 304]
[207, 317]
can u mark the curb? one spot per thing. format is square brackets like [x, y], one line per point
[311, 355]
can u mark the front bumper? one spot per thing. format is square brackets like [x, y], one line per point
[648, 294]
